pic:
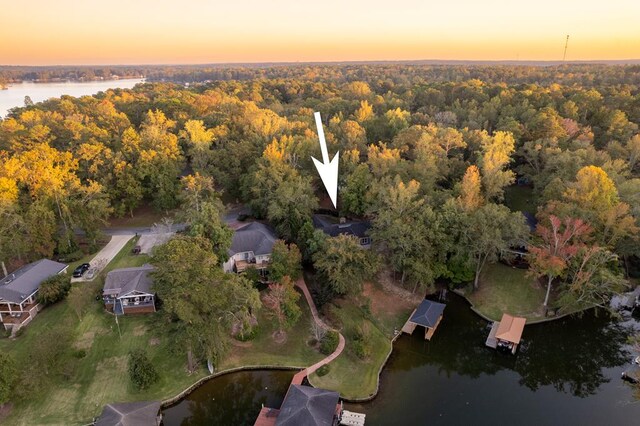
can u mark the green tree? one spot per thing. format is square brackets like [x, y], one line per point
[199, 299]
[141, 371]
[408, 232]
[355, 195]
[202, 210]
[8, 377]
[285, 261]
[345, 264]
[484, 233]
[54, 289]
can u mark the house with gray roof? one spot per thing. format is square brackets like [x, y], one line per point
[333, 227]
[129, 291]
[145, 413]
[251, 246]
[307, 406]
[18, 291]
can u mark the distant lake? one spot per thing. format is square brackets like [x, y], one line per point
[14, 95]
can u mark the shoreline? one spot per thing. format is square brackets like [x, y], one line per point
[176, 399]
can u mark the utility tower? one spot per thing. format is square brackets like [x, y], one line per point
[566, 44]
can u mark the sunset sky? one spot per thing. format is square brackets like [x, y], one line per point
[45, 32]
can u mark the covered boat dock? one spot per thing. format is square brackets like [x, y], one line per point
[507, 333]
[428, 315]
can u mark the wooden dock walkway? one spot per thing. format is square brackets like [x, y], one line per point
[299, 377]
[352, 419]
[409, 326]
[428, 334]
[492, 342]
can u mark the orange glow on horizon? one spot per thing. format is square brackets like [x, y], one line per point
[198, 31]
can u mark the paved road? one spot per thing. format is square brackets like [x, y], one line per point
[230, 218]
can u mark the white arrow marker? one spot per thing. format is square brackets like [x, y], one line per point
[328, 171]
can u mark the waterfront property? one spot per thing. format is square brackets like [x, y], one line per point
[128, 291]
[251, 246]
[358, 229]
[506, 334]
[303, 406]
[428, 315]
[18, 292]
[145, 413]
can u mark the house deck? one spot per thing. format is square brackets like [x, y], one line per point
[492, 342]
[242, 265]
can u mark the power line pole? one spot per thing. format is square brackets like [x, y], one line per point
[566, 44]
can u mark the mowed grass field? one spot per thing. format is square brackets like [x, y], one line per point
[101, 377]
[506, 289]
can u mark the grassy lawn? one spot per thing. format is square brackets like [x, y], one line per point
[382, 314]
[506, 289]
[101, 376]
[520, 198]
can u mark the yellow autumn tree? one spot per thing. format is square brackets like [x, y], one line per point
[470, 197]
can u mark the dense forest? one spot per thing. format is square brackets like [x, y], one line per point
[427, 153]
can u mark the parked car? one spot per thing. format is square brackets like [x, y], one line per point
[80, 270]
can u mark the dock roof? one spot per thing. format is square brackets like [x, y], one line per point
[511, 328]
[130, 414]
[307, 406]
[428, 313]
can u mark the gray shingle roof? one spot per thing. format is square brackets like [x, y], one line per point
[126, 280]
[20, 284]
[428, 313]
[130, 414]
[307, 406]
[255, 237]
[356, 228]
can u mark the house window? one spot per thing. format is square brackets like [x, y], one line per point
[365, 241]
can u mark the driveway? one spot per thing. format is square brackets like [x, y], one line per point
[148, 241]
[104, 256]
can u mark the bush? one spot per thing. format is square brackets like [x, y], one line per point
[323, 371]
[360, 341]
[141, 372]
[71, 257]
[80, 353]
[248, 334]
[54, 289]
[8, 377]
[329, 342]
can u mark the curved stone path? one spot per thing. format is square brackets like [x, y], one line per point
[299, 377]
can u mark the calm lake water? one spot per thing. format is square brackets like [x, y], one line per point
[14, 95]
[566, 372]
